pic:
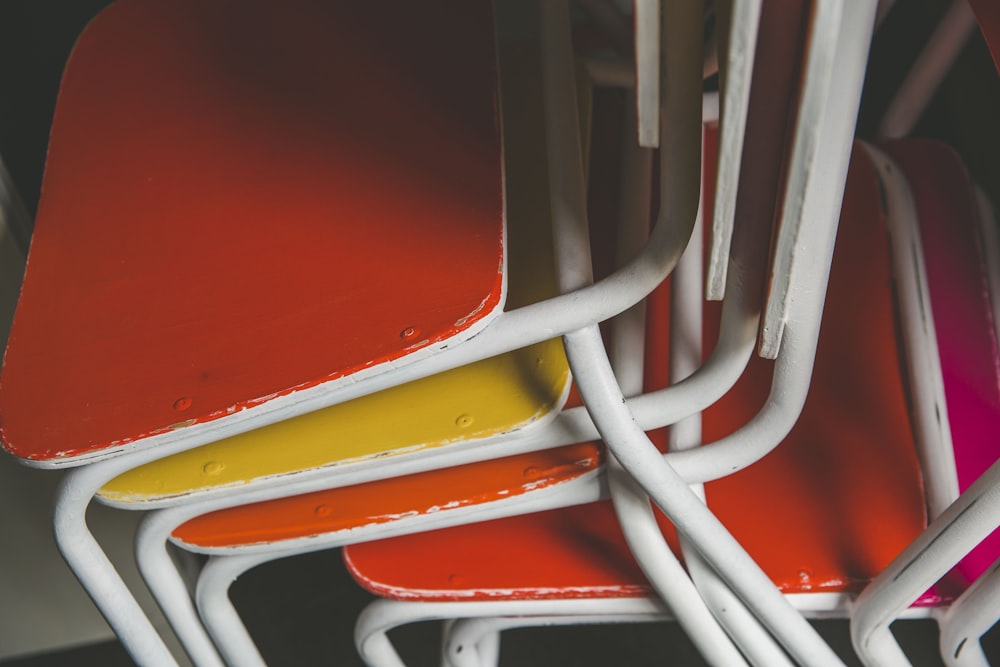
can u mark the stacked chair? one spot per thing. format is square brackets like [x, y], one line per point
[299, 279]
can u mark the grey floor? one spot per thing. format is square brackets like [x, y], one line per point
[301, 611]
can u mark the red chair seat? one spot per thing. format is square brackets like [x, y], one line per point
[237, 206]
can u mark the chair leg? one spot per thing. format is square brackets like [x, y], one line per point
[664, 571]
[169, 588]
[635, 516]
[480, 632]
[375, 621]
[485, 649]
[753, 640]
[93, 568]
[219, 615]
[446, 629]
[489, 650]
[968, 619]
[945, 542]
[689, 514]
[381, 616]
[686, 318]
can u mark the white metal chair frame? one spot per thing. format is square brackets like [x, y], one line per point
[969, 618]
[597, 383]
[949, 537]
[890, 595]
[601, 392]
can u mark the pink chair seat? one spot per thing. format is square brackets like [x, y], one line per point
[964, 323]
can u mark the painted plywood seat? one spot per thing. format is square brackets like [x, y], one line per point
[232, 233]
[365, 505]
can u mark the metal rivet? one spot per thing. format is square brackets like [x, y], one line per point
[323, 510]
[409, 332]
[533, 472]
[213, 468]
[464, 421]
[182, 403]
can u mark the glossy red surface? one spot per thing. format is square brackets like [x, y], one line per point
[389, 500]
[243, 198]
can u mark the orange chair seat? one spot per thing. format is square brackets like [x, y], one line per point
[374, 503]
[238, 206]
[838, 499]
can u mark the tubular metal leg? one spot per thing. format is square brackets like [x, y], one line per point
[93, 568]
[381, 616]
[968, 619]
[169, 588]
[945, 542]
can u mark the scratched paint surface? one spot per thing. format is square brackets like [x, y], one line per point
[246, 198]
[963, 321]
[838, 499]
[385, 501]
[490, 397]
